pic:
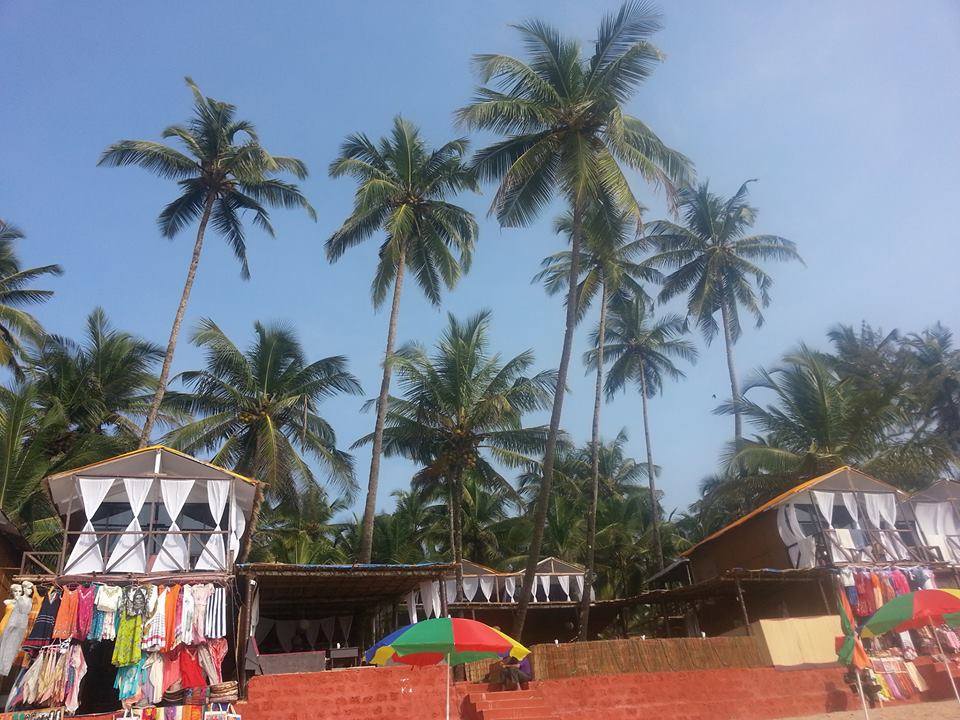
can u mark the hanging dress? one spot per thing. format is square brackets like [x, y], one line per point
[154, 626]
[66, 620]
[216, 624]
[126, 648]
[170, 617]
[108, 604]
[86, 597]
[201, 596]
[14, 633]
[42, 631]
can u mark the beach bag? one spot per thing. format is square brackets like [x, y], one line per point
[221, 711]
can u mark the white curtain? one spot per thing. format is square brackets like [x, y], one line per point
[564, 581]
[936, 522]
[510, 586]
[285, 632]
[174, 554]
[313, 633]
[802, 549]
[345, 622]
[412, 606]
[327, 625]
[881, 508]
[130, 554]
[86, 556]
[255, 612]
[824, 502]
[850, 503]
[430, 597]
[579, 579]
[470, 585]
[486, 585]
[544, 581]
[263, 629]
[214, 555]
[238, 523]
[450, 588]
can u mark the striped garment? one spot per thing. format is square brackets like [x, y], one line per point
[216, 620]
[154, 623]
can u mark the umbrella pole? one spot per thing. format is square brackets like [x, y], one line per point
[863, 700]
[946, 663]
[449, 669]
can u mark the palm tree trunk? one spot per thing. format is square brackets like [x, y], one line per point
[458, 531]
[177, 321]
[370, 507]
[651, 477]
[595, 473]
[543, 498]
[734, 382]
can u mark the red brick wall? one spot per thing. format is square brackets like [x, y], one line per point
[400, 693]
[394, 693]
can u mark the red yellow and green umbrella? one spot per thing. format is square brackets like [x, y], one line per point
[915, 610]
[454, 640]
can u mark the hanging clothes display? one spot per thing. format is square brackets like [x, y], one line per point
[65, 623]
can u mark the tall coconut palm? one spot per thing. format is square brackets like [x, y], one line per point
[259, 410]
[224, 172]
[17, 325]
[567, 134]
[610, 265]
[642, 350]
[403, 191]
[461, 410]
[714, 261]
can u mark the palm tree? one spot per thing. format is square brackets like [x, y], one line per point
[224, 172]
[15, 293]
[642, 350]
[567, 134]
[461, 410]
[403, 190]
[609, 265]
[819, 422]
[714, 261]
[304, 534]
[100, 386]
[258, 410]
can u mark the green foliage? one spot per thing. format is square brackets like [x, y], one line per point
[714, 260]
[17, 325]
[222, 169]
[258, 410]
[562, 115]
[402, 190]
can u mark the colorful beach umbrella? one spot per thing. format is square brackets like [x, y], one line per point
[915, 610]
[451, 640]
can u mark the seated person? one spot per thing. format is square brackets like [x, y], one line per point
[515, 674]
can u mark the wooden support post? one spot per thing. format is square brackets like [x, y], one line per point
[743, 607]
[443, 598]
[823, 594]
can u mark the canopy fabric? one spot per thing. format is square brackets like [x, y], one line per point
[486, 586]
[850, 503]
[915, 610]
[564, 581]
[238, 523]
[214, 555]
[130, 553]
[174, 554]
[470, 585]
[510, 586]
[824, 500]
[802, 549]
[412, 606]
[544, 581]
[451, 640]
[937, 521]
[86, 556]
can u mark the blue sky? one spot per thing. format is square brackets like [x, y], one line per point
[847, 113]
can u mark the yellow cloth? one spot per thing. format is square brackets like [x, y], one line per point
[6, 615]
[800, 641]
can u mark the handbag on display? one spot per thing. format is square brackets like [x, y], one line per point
[221, 711]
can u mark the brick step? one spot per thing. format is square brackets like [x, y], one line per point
[510, 705]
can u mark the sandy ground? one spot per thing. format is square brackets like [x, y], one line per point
[919, 711]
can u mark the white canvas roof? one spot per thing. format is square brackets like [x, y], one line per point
[157, 461]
